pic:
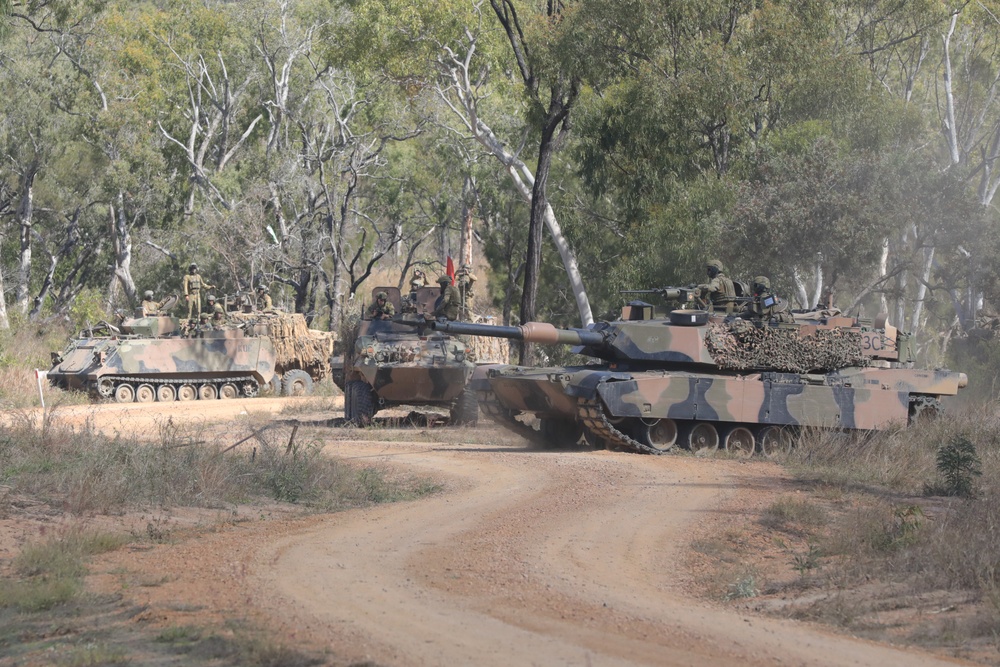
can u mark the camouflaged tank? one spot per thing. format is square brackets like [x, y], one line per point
[707, 381]
[392, 363]
[153, 359]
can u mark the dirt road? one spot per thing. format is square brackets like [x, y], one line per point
[525, 558]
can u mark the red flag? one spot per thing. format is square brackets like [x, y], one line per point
[450, 270]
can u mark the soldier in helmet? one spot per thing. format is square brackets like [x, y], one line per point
[417, 280]
[766, 306]
[264, 303]
[218, 312]
[149, 306]
[382, 309]
[466, 279]
[193, 284]
[719, 291]
[448, 304]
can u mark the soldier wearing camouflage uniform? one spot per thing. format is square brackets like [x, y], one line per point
[193, 284]
[466, 279]
[382, 309]
[766, 306]
[719, 291]
[264, 303]
[218, 311]
[150, 307]
[448, 304]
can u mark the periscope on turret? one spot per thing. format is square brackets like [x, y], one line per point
[706, 381]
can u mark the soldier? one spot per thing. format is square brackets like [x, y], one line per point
[264, 302]
[719, 291]
[193, 285]
[150, 307]
[382, 309]
[766, 306]
[218, 311]
[466, 279]
[449, 302]
[418, 280]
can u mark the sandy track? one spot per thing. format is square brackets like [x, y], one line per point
[533, 558]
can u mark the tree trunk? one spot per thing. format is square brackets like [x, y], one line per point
[25, 218]
[4, 322]
[122, 243]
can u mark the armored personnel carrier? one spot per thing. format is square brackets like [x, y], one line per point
[707, 381]
[155, 358]
[391, 363]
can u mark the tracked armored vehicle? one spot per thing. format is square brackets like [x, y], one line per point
[707, 381]
[155, 358]
[391, 363]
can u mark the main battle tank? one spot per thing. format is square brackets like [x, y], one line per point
[151, 358]
[705, 380]
[390, 363]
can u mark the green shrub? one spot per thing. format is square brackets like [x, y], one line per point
[958, 464]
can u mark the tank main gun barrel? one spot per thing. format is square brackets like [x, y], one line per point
[532, 332]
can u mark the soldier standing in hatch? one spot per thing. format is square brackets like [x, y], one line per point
[218, 312]
[719, 291]
[150, 307]
[264, 303]
[193, 285]
[417, 280]
[382, 309]
[766, 306]
[466, 280]
[449, 302]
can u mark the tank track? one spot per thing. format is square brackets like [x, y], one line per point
[492, 408]
[160, 381]
[591, 414]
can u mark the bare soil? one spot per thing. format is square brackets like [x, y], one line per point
[525, 557]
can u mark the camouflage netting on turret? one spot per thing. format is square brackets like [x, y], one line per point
[740, 345]
[295, 344]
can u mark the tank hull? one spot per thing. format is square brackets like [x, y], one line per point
[620, 406]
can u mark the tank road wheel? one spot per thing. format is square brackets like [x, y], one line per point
[561, 432]
[297, 383]
[659, 434]
[739, 441]
[465, 409]
[360, 409]
[207, 392]
[923, 409]
[228, 391]
[187, 392]
[775, 440]
[702, 438]
[106, 387]
[166, 393]
[124, 393]
[145, 393]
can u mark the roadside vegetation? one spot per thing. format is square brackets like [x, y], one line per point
[893, 536]
[67, 475]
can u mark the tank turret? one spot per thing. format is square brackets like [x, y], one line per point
[707, 380]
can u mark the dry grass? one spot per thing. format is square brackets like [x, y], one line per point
[21, 352]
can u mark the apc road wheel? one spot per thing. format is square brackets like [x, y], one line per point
[145, 393]
[251, 388]
[124, 393]
[360, 409]
[775, 440]
[297, 382]
[739, 441]
[702, 438]
[560, 432]
[207, 392]
[659, 434]
[106, 388]
[465, 410]
[166, 393]
[187, 392]
[228, 391]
